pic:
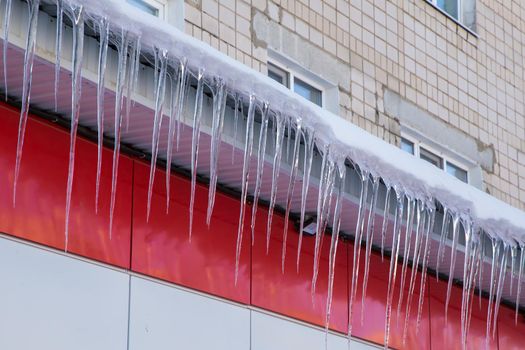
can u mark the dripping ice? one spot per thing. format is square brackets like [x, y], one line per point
[409, 229]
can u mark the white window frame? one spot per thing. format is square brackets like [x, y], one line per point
[461, 15]
[292, 75]
[446, 155]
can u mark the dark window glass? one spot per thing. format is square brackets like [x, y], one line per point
[457, 172]
[308, 91]
[407, 146]
[430, 157]
[278, 74]
[449, 6]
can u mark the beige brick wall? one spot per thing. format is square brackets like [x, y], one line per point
[473, 83]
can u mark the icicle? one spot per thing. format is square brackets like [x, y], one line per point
[130, 80]
[386, 214]
[324, 201]
[29, 55]
[248, 148]
[101, 91]
[136, 68]
[235, 125]
[58, 48]
[467, 272]
[357, 245]
[520, 272]
[261, 153]
[495, 258]
[197, 116]
[279, 137]
[7, 21]
[501, 283]
[291, 187]
[442, 240]
[121, 83]
[480, 274]
[160, 91]
[426, 255]
[369, 241]
[219, 103]
[453, 253]
[411, 206]
[288, 137]
[420, 225]
[336, 225]
[393, 263]
[513, 254]
[76, 90]
[307, 169]
[177, 107]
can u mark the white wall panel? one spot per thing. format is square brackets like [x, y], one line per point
[50, 301]
[164, 317]
[273, 333]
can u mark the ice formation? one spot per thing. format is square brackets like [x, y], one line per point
[415, 191]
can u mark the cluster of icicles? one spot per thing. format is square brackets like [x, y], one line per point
[413, 218]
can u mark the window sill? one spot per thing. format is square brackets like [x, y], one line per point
[470, 31]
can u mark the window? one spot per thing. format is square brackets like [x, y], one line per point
[439, 159]
[153, 7]
[298, 85]
[463, 11]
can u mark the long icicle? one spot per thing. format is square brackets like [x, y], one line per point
[58, 47]
[76, 90]
[279, 137]
[369, 241]
[291, 187]
[513, 255]
[219, 103]
[177, 108]
[453, 254]
[411, 206]
[357, 246]
[500, 285]
[121, 82]
[29, 56]
[426, 255]
[160, 91]
[467, 263]
[101, 91]
[442, 239]
[235, 125]
[495, 258]
[197, 116]
[248, 148]
[520, 274]
[309, 137]
[336, 225]
[261, 153]
[7, 24]
[420, 225]
[386, 215]
[393, 263]
[130, 80]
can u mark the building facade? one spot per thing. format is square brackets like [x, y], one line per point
[439, 79]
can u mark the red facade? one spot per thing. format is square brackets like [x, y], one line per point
[160, 247]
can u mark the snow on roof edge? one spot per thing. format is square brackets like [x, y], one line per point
[395, 166]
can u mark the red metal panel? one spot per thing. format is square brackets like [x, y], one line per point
[510, 334]
[41, 195]
[447, 335]
[372, 326]
[289, 293]
[161, 247]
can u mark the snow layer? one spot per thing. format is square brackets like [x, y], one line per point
[395, 166]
